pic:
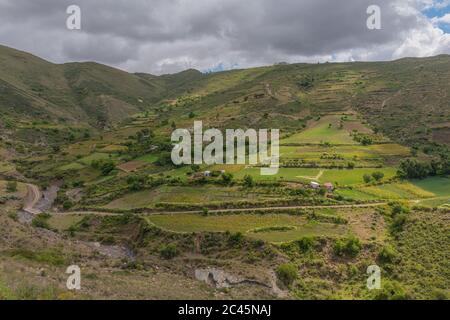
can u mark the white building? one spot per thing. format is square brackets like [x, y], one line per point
[315, 185]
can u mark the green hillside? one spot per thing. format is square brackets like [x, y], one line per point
[95, 141]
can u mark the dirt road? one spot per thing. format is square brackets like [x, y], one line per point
[34, 195]
[367, 205]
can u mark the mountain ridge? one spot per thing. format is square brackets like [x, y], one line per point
[97, 96]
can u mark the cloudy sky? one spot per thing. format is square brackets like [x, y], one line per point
[166, 36]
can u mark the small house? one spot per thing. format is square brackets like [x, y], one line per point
[207, 174]
[315, 185]
[329, 186]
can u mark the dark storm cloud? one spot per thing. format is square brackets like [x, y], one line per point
[169, 35]
[312, 27]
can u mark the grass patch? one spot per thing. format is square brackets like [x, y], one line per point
[440, 186]
[355, 176]
[321, 132]
[52, 257]
[149, 158]
[94, 157]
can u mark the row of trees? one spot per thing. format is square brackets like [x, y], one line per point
[414, 169]
[377, 176]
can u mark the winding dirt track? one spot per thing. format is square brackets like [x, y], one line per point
[32, 199]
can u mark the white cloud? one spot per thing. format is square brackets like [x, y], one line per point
[445, 19]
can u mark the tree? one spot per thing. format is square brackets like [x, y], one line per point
[165, 159]
[105, 166]
[136, 183]
[413, 169]
[367, 178]
[378, 176]
[366, 141]
[227, 178]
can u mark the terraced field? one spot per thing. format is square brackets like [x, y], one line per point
[187, 195]
[276, 227]
[342, 177]
[432, 192]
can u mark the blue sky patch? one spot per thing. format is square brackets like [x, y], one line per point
[439, 12]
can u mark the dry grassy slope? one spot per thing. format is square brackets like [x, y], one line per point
[84, 93]
[409, 99]
[406, 99]
[33, 263]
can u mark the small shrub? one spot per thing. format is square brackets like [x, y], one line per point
[391, 291]
[41, 221]
[347, 247]
[227, 178]
[169, 251]
[67, 204]
[398, 223]
[11, 186]
[306, 244]
[205, 212]
[13, 215]
[236, 239]
[287, 274]
[398, 208]
[378, 176]
[440, 295]
[248, 181]
[387, 254]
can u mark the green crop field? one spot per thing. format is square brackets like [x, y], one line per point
[71, 166]
[355, 176]
[440, 186]
[94, 157]
[289, 174]
[149, 158]
[113, 149]
[321, 133]
[342, 177]
[347, 152]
